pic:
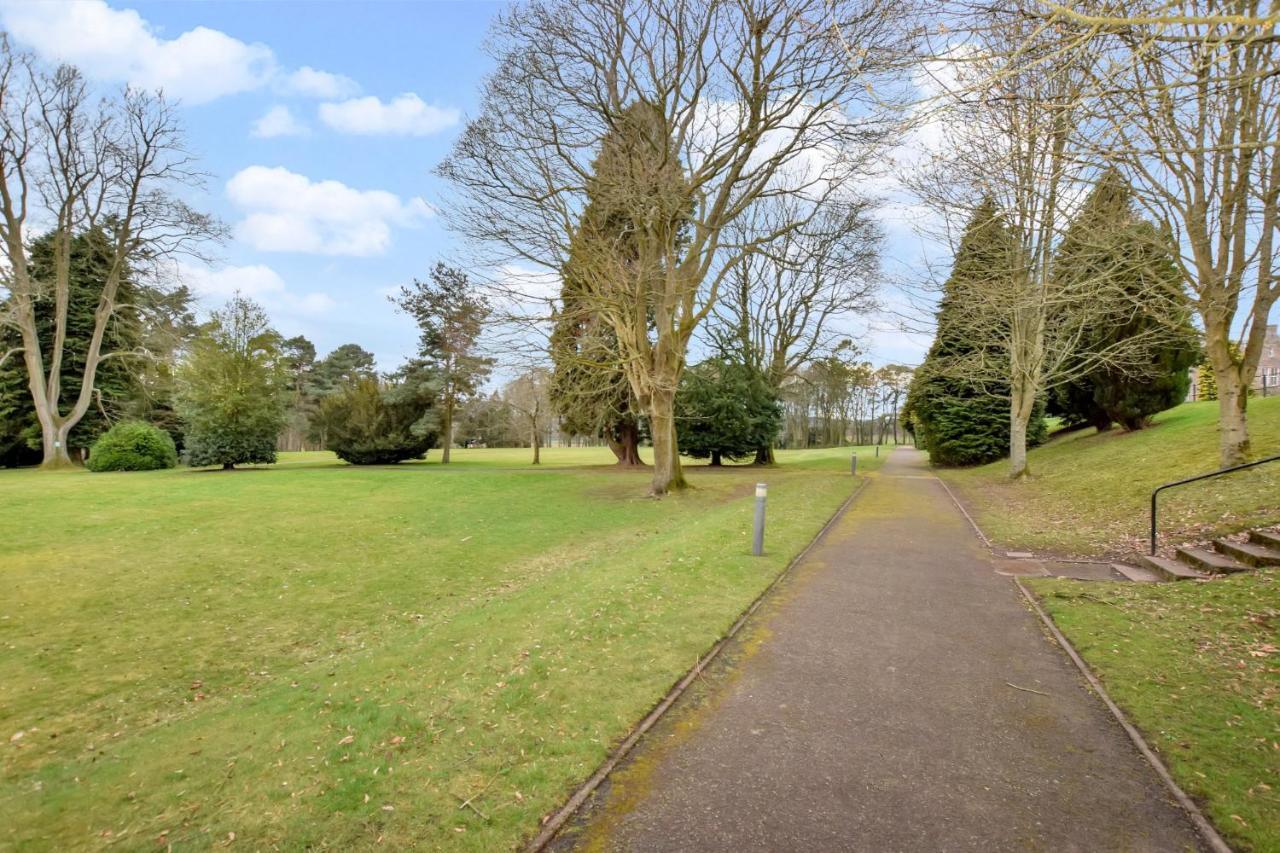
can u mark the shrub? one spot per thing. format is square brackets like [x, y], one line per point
[132, 446]
[369, 423]
[725, 410]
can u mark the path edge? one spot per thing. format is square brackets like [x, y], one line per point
[551, 828]
[1208, 833]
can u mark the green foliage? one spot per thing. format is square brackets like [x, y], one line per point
[725, 410]
[233, 388]
[372, 423]
[1129, 263]
[132, 446]
[958, 420]
[116, 383]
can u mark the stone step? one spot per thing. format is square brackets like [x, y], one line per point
[1209, 561]
[1138, 574]
[1249, 554]
[1265, 538]
[1173, 570]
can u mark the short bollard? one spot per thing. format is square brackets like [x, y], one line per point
[853, 464]
[757, 543]
[877, 451]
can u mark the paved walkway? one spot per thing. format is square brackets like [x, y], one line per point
[868, 707]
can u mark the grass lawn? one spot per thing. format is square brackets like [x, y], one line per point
[1090, 493]
[1197, 668]
[313, 655]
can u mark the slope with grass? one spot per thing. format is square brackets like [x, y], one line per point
[1089, 493]
[318, 656]
[1196, 666]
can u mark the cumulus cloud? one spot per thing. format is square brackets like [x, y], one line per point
[257, 282]
[310, 83]
[278, 121]
[405, 115]
[119, 45]
[288, 212]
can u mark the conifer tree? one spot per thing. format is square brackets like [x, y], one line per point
[1125, 260]
[959, 420]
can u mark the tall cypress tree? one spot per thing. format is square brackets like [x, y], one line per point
[1127, 261]
[960, 421]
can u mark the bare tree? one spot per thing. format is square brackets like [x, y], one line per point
[750, 99]
[529, 395]
[783, 304]
[70, 163]
[1192, 109]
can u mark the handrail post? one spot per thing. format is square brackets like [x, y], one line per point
[1153, 521]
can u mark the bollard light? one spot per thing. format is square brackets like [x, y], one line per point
[757, 542]
[853, 464]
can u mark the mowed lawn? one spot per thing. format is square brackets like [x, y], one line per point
[1197, 668]
[1089, 493]
[313, 655]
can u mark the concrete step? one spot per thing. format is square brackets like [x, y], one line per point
[1138, 574]
[1209, 561]
[1248, 553]
[1173, 570]
[1265, 538]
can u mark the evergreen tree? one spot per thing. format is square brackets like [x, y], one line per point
[725, 410]
[1128, 262]
[450, 316]
[589, 389]
[116, 384]
[233, 389]
[959, 421]
[379, 423]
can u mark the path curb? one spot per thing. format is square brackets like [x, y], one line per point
[551, 828]
[1202, 824]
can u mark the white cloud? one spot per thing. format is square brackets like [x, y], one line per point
[288, 212]
[119, 45]
[406, 115]
[278, 121]
[257, 282]
[310, 83]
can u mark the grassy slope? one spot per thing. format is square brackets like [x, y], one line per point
[1197, 667]
[1090, 493]
[325, 656]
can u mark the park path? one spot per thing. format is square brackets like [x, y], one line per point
[868, 706]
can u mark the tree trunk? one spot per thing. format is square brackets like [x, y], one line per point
[626, 446]
[765, 456]
[667, 473]
[446, 432]
[54, 442]
[228, 466]
[537, 445]
[1233, 428]
[715, 458]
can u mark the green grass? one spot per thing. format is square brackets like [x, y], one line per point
[1197, 668]
[1089, 493]
[320, 656]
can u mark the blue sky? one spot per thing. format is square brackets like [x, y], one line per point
[319, 124]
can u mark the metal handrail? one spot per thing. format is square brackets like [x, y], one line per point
[1217, 473]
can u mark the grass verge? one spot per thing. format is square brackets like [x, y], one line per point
[1089, 493]
[319, 656]
[1196, 666]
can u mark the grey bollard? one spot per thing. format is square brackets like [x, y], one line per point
[853, 464]
[757, 543]
[877, 451]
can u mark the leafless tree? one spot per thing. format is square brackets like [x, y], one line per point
[529, 396]
[784, 304]
[70, 163]
[754, 98]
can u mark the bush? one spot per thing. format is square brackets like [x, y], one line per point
[132, 446]
[369, 423]
[725, 410]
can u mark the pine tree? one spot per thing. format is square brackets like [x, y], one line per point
[1125, 260]
[959, 421]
